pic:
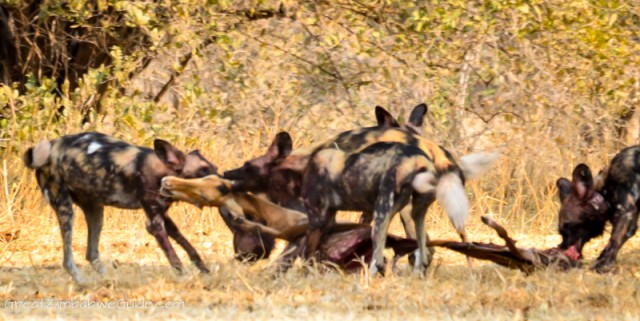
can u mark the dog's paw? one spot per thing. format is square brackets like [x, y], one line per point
[98, 267]
[376, 268]
[604, 267]
[81, 281]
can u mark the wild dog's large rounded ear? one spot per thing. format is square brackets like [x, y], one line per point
[416, 117]
[384, 118]
[582, 180]
[169, 155]
[564, 188]
[281, 146]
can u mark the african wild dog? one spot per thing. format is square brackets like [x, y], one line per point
[586, 206]
[93, 170]
[380, 179]
[414, 125]
[277, 173]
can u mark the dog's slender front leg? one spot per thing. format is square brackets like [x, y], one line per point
[388, 203]
[321, 215]
[156, 227]
[623, 228]
[94, 215]
[175, 234]
[319, 223]
[382, 216]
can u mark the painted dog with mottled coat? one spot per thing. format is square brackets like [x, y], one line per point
[588, 204]
[94, 170]
[380, 179]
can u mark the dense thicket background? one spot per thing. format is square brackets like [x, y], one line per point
[552, 83]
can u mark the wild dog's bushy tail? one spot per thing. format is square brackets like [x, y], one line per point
[450, 191]
[452, 197]
[474, 165]
[37, 156]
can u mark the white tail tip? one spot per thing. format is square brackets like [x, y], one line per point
[453, 198]
[41, 153]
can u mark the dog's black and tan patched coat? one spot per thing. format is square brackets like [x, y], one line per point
[587, 204]
[94, 170]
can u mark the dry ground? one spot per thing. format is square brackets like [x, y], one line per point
[30, 269]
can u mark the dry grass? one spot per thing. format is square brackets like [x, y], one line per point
[31, 267]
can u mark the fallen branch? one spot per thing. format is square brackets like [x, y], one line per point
[509, 255]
